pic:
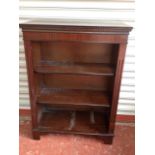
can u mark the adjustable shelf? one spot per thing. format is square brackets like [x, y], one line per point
[84, 99]
[74, 75]
[75, 68]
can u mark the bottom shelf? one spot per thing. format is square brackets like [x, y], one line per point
[85, 123]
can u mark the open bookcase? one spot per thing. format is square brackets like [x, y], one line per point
[74, 75]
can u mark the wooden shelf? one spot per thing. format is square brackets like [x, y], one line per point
[75, 98]
[87, 123]
[75, 68]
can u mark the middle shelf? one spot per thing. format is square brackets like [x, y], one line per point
[74, 98]
[74, 68]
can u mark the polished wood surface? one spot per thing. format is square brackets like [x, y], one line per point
[82, 82]
[75, 68]
[74, 97]
[76, 25]
[74, 74]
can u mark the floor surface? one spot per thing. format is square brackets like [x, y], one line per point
[55, 144]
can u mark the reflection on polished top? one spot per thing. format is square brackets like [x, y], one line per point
[97, 26]
[75, 22]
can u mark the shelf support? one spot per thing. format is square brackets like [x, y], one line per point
[72, 120]
[92, 118]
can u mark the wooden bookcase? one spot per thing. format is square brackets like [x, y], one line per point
[74, 74]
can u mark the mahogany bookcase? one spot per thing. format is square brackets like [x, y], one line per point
[74, 75]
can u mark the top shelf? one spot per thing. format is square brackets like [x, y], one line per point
[74, 25]
[75, 68]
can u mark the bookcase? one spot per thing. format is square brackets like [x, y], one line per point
[74, 75]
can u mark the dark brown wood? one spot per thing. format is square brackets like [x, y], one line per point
[83, 98]
[87, 38]
[78, 26]
[36, 134]
[119, 117]
[82, 123]
[116, 87]
[74, 77]
[77, 68]
[32, 88]
[82, 82]
[75, 52]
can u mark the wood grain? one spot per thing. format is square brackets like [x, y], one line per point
[74, 75]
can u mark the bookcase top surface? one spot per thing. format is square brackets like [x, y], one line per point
[71, 24]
